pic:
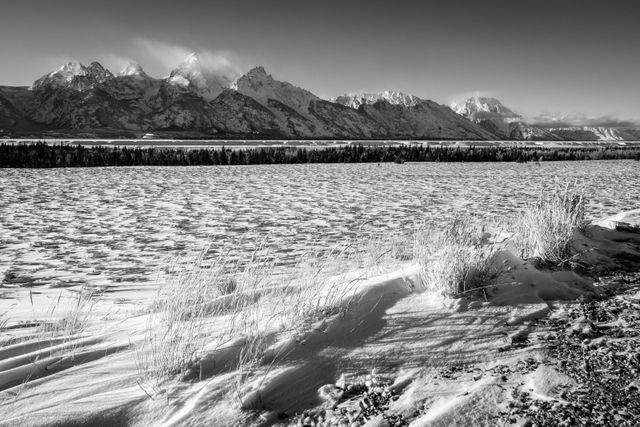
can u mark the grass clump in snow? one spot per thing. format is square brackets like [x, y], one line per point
[215, 303]
[454, 260]
[179, 324]
[544, 229]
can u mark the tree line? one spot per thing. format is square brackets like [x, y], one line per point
[42, 155]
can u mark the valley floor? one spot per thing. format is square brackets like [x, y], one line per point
[542, 347]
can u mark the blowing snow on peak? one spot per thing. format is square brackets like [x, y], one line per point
[205, 80]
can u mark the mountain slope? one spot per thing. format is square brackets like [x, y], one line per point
[301, 114]
[596, 133]
[426, 120]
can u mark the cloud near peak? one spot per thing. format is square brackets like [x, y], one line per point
[166, 56]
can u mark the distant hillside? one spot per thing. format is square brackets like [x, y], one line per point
[500, 120]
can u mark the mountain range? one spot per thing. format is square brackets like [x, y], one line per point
[90, 101]
[503, 122]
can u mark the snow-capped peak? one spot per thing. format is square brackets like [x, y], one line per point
[392, 97]
[190, 69]
[132, 69]
[479, 107]
[69, 70]
[74, 75]
[205, 81]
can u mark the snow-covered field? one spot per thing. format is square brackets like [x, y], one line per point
[429, 360]
[119, 227]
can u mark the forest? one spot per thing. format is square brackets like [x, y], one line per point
[42, 155]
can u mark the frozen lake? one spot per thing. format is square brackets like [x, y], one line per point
[118, 227]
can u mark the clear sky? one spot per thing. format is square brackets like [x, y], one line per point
[536, 56]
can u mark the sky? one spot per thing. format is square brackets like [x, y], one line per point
[574, 58]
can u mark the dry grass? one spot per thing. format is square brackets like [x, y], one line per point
[76, 318]
[61, 336]
[178, 325]
[4, 320]
[212, 302]
[454, 260]
[544, 229]
[377, 252]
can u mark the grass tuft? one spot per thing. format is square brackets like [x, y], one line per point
[545, 228]
[454, 260]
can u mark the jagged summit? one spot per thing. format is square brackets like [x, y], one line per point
[484, 107]
[257, 72]
[70, 69]
[256, 76]
[62, 75]
[132, 69]
[74, 75]
[98, 72]
[392, 97]
[188, 72]
[192, 74]
[261, 86]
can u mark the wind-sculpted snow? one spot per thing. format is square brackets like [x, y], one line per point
[118, 228]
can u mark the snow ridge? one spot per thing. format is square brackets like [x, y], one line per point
[392, 97]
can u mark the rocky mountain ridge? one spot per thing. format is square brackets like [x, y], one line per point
[194, 101]
[90, 100]
[394, 98]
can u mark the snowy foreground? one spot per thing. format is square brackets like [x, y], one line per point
[386, 353]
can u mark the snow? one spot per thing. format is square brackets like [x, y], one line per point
[478, 107]
[132, 69]
[70, 70]
[386, 329]
[179, 80]
[600, 133]
[395, 98]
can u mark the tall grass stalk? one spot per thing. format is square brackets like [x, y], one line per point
[544, 229]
